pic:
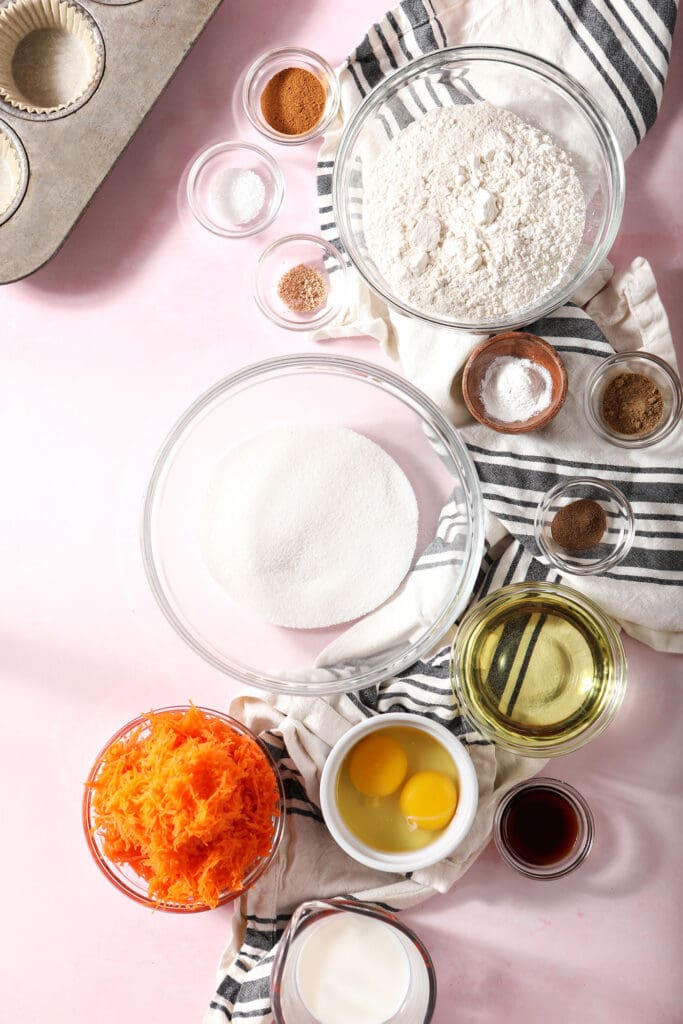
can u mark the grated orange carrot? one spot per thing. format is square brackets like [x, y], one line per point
[188, 802]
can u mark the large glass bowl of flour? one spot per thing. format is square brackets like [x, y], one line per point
[478, 188]
[311, 393]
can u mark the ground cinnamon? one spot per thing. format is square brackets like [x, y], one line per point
[632, 404]
[293, 101]
[302, 289]
[579, 525]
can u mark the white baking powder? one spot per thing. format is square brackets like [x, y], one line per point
[309, 525]
[513, 389]
[236, 195]
[472, 212]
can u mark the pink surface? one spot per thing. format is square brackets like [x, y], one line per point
[102, 350]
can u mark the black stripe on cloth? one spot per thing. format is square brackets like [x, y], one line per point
[324, 184]
[399, 35]
[513, 565]
[501, 663]
[422, 668]
[369, 64]
[374, 903]
[361, 88]
[419, 19]
[213, 1005]
[385, 46]
[241, 1014]
[650, 580]
[575, 463]
[269, 920]
[304, 814]
[634, 42]
[633, 8]
[580, 351]
[438, 24]
[666, 12]
[570, 327]
[395, 694]
[599, 68]
[530, 479]
[528, 654]
[603, 33]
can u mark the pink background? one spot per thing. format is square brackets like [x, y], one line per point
[102, 349]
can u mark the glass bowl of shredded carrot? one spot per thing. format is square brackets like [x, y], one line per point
[183, 809]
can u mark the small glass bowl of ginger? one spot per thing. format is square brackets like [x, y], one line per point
[291, 95]
[300, 283]
[584, 526]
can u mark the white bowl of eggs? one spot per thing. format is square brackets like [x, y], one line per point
[399, 792]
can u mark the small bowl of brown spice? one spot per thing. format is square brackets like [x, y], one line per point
[584, 526]
[301, 283]
[633, 399]
[290, 95]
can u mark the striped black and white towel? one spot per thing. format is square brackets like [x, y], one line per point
[619, 49]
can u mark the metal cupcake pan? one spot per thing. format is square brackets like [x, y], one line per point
[76, 83]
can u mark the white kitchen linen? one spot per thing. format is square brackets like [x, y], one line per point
[619, 51]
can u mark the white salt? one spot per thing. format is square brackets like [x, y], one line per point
[513, 389]
[309, 525]
[237, 195]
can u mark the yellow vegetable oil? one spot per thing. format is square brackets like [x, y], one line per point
[538, 668]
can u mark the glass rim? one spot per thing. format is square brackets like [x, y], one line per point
[538, 590]
[373, 375]
[566, 864]
[662, 430]
[545, 69]
[114, 872]
[599, 565]
[305, 55]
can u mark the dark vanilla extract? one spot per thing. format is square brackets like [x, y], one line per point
[541, 826]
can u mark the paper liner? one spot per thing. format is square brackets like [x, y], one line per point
[51, 72]
[13, 175]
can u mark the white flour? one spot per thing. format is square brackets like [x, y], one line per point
[473, 213]
[309, 526]
[515, 389]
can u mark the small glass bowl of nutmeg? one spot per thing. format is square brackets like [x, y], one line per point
[300, 283]
[584, 526]
[633, 399]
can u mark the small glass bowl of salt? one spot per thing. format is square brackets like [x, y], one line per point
[235, 189]
[514, 383]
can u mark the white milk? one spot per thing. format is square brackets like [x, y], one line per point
[352, 968]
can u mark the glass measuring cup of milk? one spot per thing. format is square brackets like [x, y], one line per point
[342, 961]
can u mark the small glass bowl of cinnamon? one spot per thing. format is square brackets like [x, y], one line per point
[300, 283]
[584, 526]
[633, 399]
[291, 95]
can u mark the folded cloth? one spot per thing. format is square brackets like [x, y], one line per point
[621, 55]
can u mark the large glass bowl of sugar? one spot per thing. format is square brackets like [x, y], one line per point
[534, 90]
[325, 390]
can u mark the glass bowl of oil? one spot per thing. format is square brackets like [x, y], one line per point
[538, 668]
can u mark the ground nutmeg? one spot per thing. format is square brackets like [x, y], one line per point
[293, 101]
[632, 404]
[302, 289]
[579, 525]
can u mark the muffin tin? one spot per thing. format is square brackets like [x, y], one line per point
[76, 83]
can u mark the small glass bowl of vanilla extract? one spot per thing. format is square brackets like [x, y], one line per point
[543, 828]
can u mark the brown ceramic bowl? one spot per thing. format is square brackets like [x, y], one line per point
[523, 346]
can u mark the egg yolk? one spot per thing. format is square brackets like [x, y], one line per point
[428, 800]
[378, 765]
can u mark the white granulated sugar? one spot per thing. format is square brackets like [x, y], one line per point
[514, 389]
[309, 526]
[472, 213]
[237, 195]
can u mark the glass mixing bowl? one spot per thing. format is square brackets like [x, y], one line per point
[311, 389]
[534, 90]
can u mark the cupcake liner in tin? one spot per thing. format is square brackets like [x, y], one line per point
[13, 172]
[51, 57]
